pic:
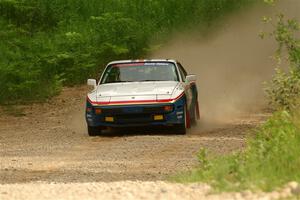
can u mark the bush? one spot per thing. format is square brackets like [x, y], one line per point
[26, 67]
[283, 91]
[28, 16]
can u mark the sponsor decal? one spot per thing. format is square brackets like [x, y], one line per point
[158, 64]
[143, 64]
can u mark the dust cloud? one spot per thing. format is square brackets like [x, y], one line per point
[231, 64]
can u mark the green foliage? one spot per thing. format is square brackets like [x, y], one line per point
[285, 34]
[271, 159]
[26, 15]
[202, 158]
[46, 44]
[25, 69]
[283, 90]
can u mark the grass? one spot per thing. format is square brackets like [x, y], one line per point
[270, 159]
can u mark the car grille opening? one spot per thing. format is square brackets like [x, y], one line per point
[134, 114]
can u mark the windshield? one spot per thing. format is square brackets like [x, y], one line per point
[139, 72]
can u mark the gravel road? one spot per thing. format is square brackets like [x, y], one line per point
[132, 190]
[48, 143]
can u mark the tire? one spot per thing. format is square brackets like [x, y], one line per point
[194, 117]
[181, 129]
[94, 131]
[198, 115]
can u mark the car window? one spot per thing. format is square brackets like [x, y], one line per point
[182, 71]
[139, 72]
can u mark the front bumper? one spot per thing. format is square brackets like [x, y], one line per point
[136, 115]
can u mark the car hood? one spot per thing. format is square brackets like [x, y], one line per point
[136, 91]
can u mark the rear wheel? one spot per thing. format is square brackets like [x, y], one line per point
[195, 115]
[94, 131]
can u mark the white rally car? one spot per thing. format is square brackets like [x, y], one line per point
[142, 93]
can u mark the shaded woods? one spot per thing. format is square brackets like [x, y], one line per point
[46, 44]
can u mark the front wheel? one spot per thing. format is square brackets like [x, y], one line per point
[94, 131]
[181, 129]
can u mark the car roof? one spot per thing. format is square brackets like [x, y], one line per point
[143, 60]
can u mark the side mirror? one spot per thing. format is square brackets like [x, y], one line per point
[92, 82]
[191, 78]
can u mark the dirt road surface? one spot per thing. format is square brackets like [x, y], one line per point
[48, 143]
